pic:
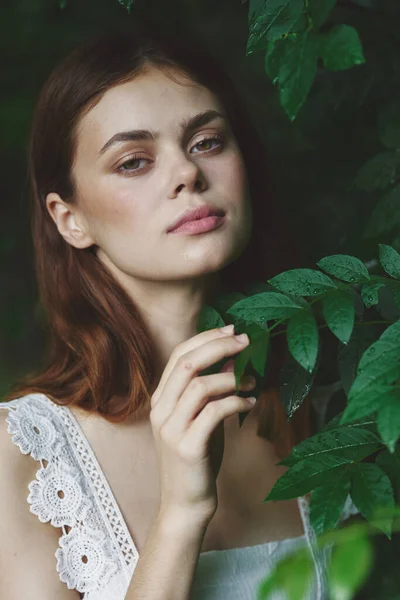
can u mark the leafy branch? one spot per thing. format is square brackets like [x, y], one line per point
[328, 464]
[292, 34]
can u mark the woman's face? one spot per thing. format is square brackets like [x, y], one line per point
[131, 187]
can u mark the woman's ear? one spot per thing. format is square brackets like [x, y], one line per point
[67, 219]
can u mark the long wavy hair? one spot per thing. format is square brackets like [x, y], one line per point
[99, 347]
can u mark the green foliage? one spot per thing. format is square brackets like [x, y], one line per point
[371, 488]
[341, 48]
[330, 465]
[346, 268]
[351, 560]
[302, 336]
[347, 574]
[319, 11]
[127, 4]
[390, 260]
[271, 19]
[328, 500]
[339, 313]
[289, 32]
[302, 282]
[296, 384]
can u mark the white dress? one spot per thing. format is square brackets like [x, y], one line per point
[97, 556]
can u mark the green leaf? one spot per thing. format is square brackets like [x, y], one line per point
[327, 501]
[341, 48]
[389, 124]
[305, 476]
[255, 355]
[346, 575]
[385, 216]
[295, 385]
[371, 490]
[379, 172]
[273, 57]
[292, 575]
[390, 464]
[344, 267]
[298, 68]
[378, 370]
[339, 313]
[259, 344]
[370, 293]
[208, 318]
[367, 398]
[349, 355]
[320, 11]
[385, 349]
[295, 575]
[303, 336]
[127, 4]
[302, 282]
[365, 422]
[389, 420]
[390, 260]
[271, 19]
[353, 443]
[264, 307]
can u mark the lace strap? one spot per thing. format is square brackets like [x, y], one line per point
[86, 558]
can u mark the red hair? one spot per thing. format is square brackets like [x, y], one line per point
[99, 347]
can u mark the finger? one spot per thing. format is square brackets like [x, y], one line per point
[200, 391]
[201, 429]
[183, 348]
[188, 366]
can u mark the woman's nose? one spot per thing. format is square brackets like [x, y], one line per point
[187, 174]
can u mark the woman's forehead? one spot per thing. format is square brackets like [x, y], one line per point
[151, 100]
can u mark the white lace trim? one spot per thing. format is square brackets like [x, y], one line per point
[97, 556]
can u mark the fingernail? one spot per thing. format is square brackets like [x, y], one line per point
[243, 338]
[252, 400]
[227, 328]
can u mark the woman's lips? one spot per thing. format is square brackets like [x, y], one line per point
[200, 225]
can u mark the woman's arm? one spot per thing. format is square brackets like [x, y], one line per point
[167, 563]
[27, 546]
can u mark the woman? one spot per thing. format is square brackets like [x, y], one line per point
[131, 132]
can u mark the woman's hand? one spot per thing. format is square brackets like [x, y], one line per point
[187, 414]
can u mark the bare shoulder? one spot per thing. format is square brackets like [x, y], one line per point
[27, 546]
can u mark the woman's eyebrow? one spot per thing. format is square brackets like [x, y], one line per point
[186, 125]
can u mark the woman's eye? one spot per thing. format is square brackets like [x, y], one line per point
[127, 165]
[207, 141]
[205, 146]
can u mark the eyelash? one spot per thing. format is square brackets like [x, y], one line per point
[120, 169]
